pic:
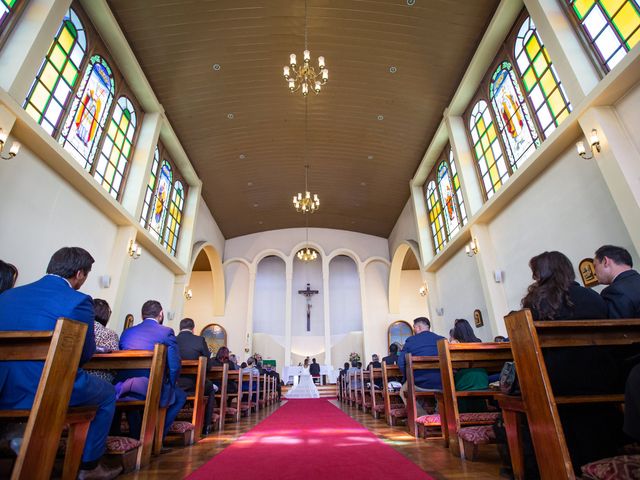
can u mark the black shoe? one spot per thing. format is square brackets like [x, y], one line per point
[101, 472]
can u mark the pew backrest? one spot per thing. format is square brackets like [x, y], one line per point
[219, 376]
[413, 364]
[199, 369]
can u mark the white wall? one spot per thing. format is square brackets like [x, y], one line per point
[629, 111]
[377, 308]
[270, 297]
[41, 213]
[412, 304]
[404, 229]
[344, 296]
[460, 294]
[200, 307]
[206, 229]
[305, 342]
[234, 320]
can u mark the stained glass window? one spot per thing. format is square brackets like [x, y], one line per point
[117, 147]
[611, 27]
[58, 74]
[514, 121]
[448, 199]
[436, 217]
[148, 195]
[540, 79]
[486, 147]
[175, 218]
[161, 200]
[7, 8]
[456, 187]
[89, 112]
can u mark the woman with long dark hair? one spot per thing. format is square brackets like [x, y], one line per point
[463, 332]
[222, 357]
[8, 276]
[467, 379]
[592, 431]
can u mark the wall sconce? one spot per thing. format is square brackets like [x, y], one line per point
[423, 290]
[472, 248]
[595, 146]
[13, 151]
[188, 293]
[134, 249]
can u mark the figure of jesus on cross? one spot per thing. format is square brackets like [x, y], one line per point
[308, 293]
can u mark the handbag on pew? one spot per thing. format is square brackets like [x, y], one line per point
[509, 379]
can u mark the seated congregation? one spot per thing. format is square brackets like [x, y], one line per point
[121, 397]
[560, 397]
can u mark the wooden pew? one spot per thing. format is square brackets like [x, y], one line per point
[60, 350]
[453, 356]
[365, 392]
[394, 408]
[155, 362]
[219, 376]
[248, 406]
[235, 375]
[528, 340]
[377, 396]
[414, 364]
[199, 369]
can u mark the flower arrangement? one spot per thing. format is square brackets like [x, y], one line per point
[354, 357]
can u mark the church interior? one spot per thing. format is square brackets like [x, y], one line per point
[303, 179]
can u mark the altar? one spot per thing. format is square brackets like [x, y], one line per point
[291, 374]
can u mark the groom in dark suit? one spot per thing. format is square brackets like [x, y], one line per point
[38, 306]
[613, 267]
[193, 347]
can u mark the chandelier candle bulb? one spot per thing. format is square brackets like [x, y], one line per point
[321, 62]
[325, 75]
[15, 148]
[580, 147]
[305, 89]
[317, 87]
[292, 60]
[594, 137]
[286, 72]
[307, 56]
[3, 136]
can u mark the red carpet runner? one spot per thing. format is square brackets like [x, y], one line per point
[309, 440]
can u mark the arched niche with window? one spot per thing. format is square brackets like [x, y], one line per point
[84, 103]
[518, 104]
[610, 28]
[164, 200]
[215, 335]
[445, 204]
[398, 332]
[9, 12]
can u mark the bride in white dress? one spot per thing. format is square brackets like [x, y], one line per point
[305, 387]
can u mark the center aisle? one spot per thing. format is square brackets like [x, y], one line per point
[309, 440]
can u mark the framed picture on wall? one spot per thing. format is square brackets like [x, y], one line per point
[477, 317]
[588, 273]
[215, 336]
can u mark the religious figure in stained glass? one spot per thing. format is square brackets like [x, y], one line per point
[162, 196]
[448, 198]
[91, 105]
[518, 133]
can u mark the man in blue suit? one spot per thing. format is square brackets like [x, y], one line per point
[423, 343]
[38, 306]
[144, 336]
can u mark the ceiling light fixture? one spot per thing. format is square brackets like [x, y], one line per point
[594, 142]
[307, 254]
[380, 117]
[216, 66]
[306, 202]
[13, 151]
[305, 77]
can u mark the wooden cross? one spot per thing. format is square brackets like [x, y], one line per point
[308, 293]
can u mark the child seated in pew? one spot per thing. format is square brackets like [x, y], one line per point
[469, 378]
[592, 432]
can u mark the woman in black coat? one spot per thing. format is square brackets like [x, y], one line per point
[592, 431]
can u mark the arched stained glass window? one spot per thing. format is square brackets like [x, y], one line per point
[161, 200]
[514, 122]
[611, 27]
[436, 217]
[117, 147]
[456, 187]
[448, 199]
[89, 112]
[58, 75]
[6, 6]
[540, 79]
[175, 218]
[148, 195]
[491, 163]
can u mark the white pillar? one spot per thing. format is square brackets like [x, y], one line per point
[250, 299]
[189, 216]
[287, 314]
[465, 163]
[575, 69]
[118, 270]
[619, 162]
[423, 228]
[494, 294]
[363, 301]
[327, 313]
[28, 44]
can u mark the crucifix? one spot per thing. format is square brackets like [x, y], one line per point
[308, 293]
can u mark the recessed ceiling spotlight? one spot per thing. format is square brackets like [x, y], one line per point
[260, 222]
[370, 157]
[255, 205]
[411, 3]
[380, 117]
[249, 184]
[230, 116]
[393, 69]
[216, 66]
[363, 184]
[242, 156]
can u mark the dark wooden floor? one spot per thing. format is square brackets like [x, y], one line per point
[430, 455]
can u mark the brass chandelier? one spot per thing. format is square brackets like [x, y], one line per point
[305, 77]
[307, 254]
[306, 202]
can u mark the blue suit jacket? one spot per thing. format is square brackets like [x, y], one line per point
[144, 336]
[38, 306]
[423, 344]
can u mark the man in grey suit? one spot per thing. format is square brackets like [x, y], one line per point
[191, 348]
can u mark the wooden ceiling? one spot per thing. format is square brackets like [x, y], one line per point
[253, 163]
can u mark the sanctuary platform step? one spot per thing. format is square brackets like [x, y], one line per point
[325, 391]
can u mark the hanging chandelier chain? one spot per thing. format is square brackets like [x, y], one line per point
[305, 24]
